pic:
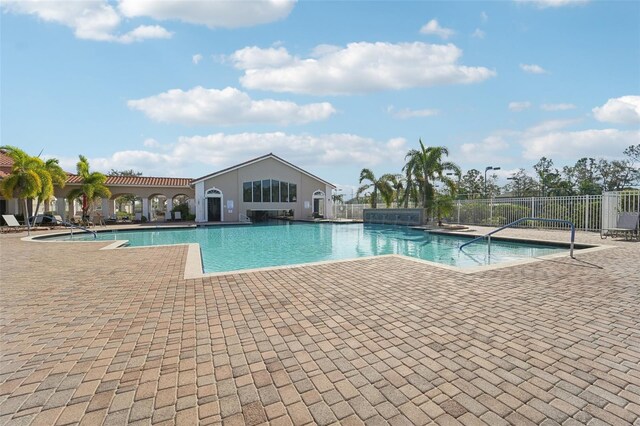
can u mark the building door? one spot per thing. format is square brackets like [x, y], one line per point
[214, 209]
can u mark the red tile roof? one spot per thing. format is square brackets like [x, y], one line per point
[138, 181]
[6, 162]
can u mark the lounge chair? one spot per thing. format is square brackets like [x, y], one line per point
[12, 223]
[626, 226]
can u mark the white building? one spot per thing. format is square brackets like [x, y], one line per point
[266, 185]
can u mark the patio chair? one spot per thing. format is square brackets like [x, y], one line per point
[626, 226]
[138, 217]
[177, 215]
[98, 220]
[12, 223]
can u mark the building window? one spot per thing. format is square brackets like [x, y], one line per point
[246, 192]
[275, 191]
[293, 197]
[266, 191]
[269, 191]
[257, 191]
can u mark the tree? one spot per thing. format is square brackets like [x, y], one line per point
[24, 181]
[396, 183]
[93, 187]
[424, 166]
[52, 175]
[471, 184]
[522, 185]
[548, 176]
[377, 185]
[585, 176]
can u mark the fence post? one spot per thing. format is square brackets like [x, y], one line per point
[586, 212]
[533, 207]
[458, 211]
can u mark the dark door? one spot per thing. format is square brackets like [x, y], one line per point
[213, 209]
[316, 205]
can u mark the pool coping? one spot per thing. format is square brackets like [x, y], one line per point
[194, 269]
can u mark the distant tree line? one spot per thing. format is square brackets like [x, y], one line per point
[429, 181]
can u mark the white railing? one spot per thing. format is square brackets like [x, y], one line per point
[587, 212]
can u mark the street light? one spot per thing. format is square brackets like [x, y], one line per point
[486, 169]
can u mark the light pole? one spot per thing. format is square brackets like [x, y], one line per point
[486, 169]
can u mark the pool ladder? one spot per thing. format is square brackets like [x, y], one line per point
[71, 226]
[524, 219]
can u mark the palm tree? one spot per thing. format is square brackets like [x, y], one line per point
[51, 175]
[24, 181]
[396, 183]
[424, 167]
[379, 186]
[92, 188]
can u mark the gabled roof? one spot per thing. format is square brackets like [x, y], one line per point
[257, 160]
[137, 181]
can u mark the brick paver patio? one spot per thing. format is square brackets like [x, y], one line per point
[118, 336]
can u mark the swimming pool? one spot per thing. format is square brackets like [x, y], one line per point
[232, 248]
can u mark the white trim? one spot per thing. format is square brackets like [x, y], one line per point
[257, 160]
[213, 193]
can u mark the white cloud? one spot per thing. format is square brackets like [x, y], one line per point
[557, 107]
[301, 149]
[533, 69]
[583, 143]
[519, 106]
[623, 110]
[213, 13]
[151, 143]
[543, 4]
[229, 106]
[411, 113]
[257, 58]
[484, 17]
[90, 19]
[478, 33]
[144, 32]
[433, 27]
[216, 151]
[357, 68]
[196, 58]
[490, 149]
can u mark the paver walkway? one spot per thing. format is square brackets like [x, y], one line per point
[118, 336]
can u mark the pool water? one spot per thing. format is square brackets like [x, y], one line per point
[231, 248]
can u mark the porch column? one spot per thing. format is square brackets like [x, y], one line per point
[145, 207]
[61, 205]
[167, 214]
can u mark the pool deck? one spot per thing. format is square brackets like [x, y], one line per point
[120, 337]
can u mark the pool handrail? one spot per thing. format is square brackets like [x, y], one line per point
[71, 226]
[524, 219]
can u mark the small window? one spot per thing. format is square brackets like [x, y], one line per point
[275, 191]
[257, 191]
[266, 191]
[246, 192]
[284, 192]
[293, 197]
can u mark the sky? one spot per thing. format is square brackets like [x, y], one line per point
[185, 88]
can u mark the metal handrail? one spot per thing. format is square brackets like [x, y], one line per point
[71, 226]
[524, 219]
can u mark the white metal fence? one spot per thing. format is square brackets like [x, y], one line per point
[587, 212]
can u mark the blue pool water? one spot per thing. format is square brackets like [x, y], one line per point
[230, 248]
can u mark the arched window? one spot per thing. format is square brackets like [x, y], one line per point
[213, 193]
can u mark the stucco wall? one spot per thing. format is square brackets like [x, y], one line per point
[231, 185]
